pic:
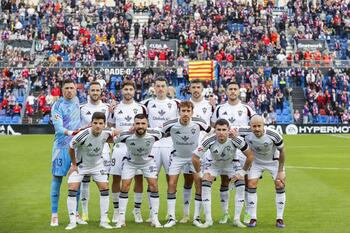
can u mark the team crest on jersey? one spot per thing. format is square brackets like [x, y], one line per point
[97, 149]
[177, 132]
[90, 145]
[225, 113]
[185, 138]
[161, 112]
[169, 105]
[240, 112]
[120, 112]
[132, 144]
[128, 118]
[88, 113]
[231, 120]
[154, 106]
[140, 150]
[135, 110]
[193, 131]
[56, 117]
[148, 143]
[204, 110]
[266, 144]
[216, 151]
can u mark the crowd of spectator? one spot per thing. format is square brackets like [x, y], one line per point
[225, 31]
[327, 96]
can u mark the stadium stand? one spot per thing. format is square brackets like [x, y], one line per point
[259, 46]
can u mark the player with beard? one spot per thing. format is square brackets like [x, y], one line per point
[123, 120]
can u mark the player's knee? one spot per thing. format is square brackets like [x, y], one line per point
[225, 181]
[279, 186]
[251, 184]
[72, 193]
[86, 179]
[116, 180]
[239, 183]
[125, 187]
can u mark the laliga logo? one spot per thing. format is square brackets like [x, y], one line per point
[291, 129]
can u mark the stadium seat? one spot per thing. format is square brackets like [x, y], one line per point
[20, 99]
[2, 112]
[2, 119]
[278, 111]
[279, 119]
[46, 119]
[16, 120]
[8, 120]
[286, 111]
[323, 119]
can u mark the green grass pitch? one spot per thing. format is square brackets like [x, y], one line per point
[318, 190]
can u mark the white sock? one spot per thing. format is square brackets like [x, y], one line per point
[224, 196]
[72, 205]
[85, 194]
[155, 204]
[123, 202]
[171, 205]
[104, 204]
[137, 201]
[246, 201]
[197, 206]
[239, 199]
[280, 202]
[206, 199]
[187, 200]
[115, 199]
[149, 201]
[252, 202]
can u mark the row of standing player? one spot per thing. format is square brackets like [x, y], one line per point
[159, 110]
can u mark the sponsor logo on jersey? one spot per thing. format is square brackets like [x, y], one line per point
[231, 120]
[140, 150]
[97, 149]
[161, 112]
[185, 138]
[128, 118]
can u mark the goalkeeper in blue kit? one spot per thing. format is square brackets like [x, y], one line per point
[65, 115]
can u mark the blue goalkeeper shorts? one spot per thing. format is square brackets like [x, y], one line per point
[60, 161]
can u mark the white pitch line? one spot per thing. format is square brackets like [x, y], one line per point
[319, 168]
[316, 146]
[341, 136]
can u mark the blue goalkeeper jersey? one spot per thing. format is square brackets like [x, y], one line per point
[65, 115]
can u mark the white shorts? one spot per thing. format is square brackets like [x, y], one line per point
[119, 152]
[76, 177]
[149, 170]
[178, 164]
[217, 169]
[161, 151]
[257, 170]
[106, 154]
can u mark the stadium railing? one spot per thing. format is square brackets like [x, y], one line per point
[174, 64]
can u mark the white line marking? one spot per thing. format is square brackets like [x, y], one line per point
[341, 136]
[317, 146]
[319, 168]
